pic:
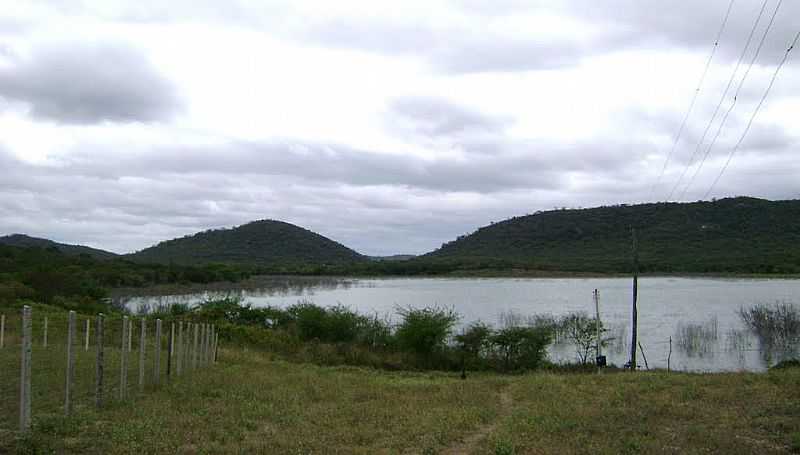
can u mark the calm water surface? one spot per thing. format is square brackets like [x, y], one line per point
[668, 307]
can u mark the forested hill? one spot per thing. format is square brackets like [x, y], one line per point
[24, 241]
[744, 235]
[264, 242]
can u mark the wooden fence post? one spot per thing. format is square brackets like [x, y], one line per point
[98, 380]
[44, 338]
[70, 362]
[170, 348]
[157, 345]
[179, 350]
[25, 372]
[123, 362]
[2, 331]
[194, 348]
[142, 349]
[86, 332]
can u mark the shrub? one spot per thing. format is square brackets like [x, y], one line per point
[775, 326]
[521, 347]
[425, 330]
[581, 330]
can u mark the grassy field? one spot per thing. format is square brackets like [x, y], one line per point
[252, 403]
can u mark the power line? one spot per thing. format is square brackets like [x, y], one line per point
[721, 100]
[735, 98]
[694, 98]
[753, 116]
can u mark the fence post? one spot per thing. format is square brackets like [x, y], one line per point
[194, 348]
[179, 350]
[130, 335]
[25, 372]
[44, 340]
[123, 363]
[2, 331]
[216, 347]
[98, 383]
[157, 344]
[86, 341]
[170, 348]
[70, 362]
[142, 349]
[203, 345]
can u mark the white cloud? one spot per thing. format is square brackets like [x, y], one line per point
[391, 127]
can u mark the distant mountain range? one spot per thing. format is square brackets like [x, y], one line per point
[745, 235]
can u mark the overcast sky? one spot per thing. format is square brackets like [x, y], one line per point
[388, 126]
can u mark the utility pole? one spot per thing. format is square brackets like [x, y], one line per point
[597, 329]
[634, 314]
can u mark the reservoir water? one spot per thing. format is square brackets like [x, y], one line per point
[701, 315]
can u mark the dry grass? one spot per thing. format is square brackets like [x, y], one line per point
[252, 403]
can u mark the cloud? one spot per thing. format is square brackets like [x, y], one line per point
[84, 83]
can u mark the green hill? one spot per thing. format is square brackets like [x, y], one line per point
[264, 242]
[743, 235]
[24, 241]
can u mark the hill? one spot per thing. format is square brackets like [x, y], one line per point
[24, 241]
[743, 235]
[265, 242]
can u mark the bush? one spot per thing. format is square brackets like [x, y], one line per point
[337, 324]
[776, 326]
[521, 347]
[424, 331]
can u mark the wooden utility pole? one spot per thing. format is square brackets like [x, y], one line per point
[634, 313]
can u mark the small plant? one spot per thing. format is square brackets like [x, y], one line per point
[698, 339]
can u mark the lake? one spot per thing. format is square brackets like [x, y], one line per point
[668, 307]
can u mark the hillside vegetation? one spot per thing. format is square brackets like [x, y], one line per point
[743, 235]
[24, 241]
[264, 242]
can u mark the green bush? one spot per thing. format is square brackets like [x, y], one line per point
[521, 347]
[424, 331]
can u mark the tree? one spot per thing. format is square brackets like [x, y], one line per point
[581, 330]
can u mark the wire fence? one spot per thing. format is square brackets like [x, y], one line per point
[56, 363]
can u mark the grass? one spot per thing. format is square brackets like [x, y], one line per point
[252, 403]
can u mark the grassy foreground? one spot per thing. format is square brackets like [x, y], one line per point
[250, 403]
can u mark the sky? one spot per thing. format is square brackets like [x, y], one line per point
[390, 127]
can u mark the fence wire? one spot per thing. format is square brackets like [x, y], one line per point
[146, 367]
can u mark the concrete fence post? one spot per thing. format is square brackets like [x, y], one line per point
[179, 350]
[70, 363]
[170, 348]
[98, 371]
[142, 350]
[130, 335]
[157, 345]
[203, 339]
[2, 331]
[123, 362]
[86, 336]
[194, 348]
[44, 337]
[25, 372]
